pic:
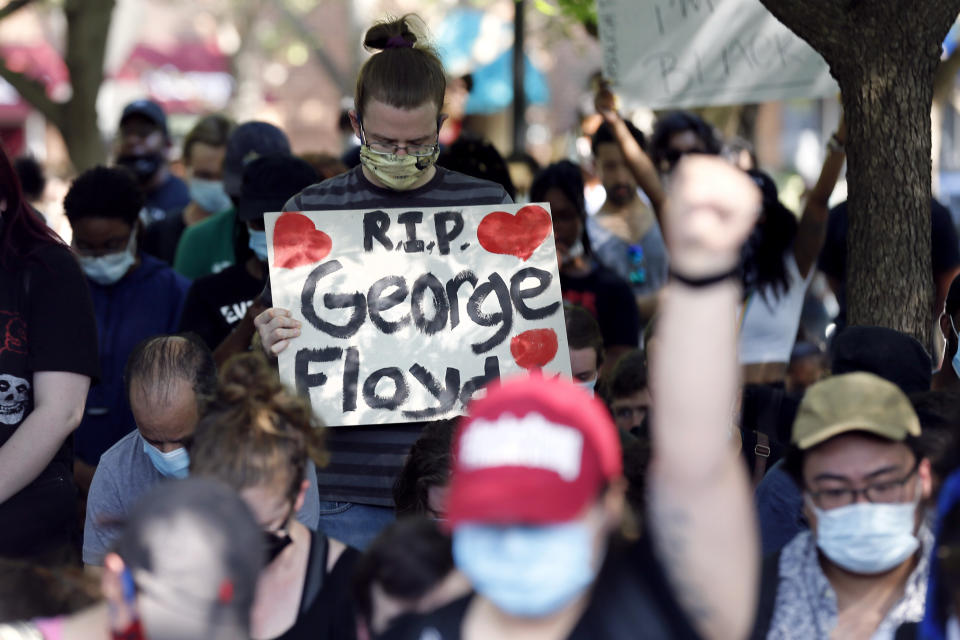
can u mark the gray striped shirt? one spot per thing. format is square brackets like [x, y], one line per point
[364, 461]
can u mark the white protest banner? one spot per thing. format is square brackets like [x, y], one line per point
[691, 53]
[407, 313]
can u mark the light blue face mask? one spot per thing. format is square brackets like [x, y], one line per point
[529, 572]
[209, 195]
[108, 269]
[172, 464]
[258, 244]
[590, 386]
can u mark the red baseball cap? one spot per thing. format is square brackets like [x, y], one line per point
[531, 451]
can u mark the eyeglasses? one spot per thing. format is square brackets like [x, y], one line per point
[886, 492]
[392, 148]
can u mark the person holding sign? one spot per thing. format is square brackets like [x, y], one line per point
[399, 94]
[537, 490]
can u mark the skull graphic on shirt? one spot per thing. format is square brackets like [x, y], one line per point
[14, 393]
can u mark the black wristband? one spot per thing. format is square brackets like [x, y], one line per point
[705, 281]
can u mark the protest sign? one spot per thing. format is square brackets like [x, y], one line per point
[689, 53]
[407, 313]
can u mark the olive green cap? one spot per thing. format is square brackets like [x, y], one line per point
[853, 402]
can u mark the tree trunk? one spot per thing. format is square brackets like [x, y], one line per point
[889, 276]
[88, 22]
[883, 55]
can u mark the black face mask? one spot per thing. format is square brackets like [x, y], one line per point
[144, 167]
[276, 542]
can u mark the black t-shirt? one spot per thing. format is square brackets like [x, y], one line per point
[631, 599]
[944, 248]
[326, 608]
[216, 303]
[48, 325]
[610, 300]
[160, 238]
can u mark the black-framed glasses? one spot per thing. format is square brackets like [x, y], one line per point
[885, 492]
[392, 148]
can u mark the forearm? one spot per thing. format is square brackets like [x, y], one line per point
[829, 174]
[647, 305]
[702, 516]
[237, 342]
[641, 167]
[812, 229]
[32, 446]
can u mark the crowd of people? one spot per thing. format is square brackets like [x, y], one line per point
[710, 470]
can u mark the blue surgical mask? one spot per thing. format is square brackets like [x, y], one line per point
[866, 537]
[108, 269]
[258, 244]
[172, 464]
[529, 572]
[590, 386]
[209, 195]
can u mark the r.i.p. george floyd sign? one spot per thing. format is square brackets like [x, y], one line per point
[406, 314]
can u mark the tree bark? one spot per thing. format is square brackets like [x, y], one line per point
[883, 55]
[88, 22]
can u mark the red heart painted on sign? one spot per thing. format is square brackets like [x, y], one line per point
[535, 348]
[515, 235]
[296, 241]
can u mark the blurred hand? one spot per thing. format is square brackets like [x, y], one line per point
[712, 207]
[605, 102]
[276, 328]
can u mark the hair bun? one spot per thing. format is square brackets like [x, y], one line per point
[247, 377]
[399, 33]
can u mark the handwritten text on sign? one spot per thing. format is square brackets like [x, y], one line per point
[688, 53]
[407, 313]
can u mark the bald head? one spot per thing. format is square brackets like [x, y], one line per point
[167, 378]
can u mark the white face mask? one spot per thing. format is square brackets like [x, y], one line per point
[108, 269]
[868, 538]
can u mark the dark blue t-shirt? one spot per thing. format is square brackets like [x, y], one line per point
[171, 195]
[146, 302]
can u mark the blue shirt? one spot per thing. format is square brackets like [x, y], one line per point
[779, 508]
[172, 195]
[144, 303]
[124, 474]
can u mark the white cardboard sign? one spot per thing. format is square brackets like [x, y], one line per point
[690, 53]
[407, 313]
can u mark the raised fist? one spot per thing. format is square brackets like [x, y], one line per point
[712, 207]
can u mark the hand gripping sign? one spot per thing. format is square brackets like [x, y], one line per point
[407, 313]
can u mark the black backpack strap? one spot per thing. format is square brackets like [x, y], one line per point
[769, 583]
[765, 432]
[316, 570]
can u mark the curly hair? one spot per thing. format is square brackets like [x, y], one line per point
[104, 192]
[254, 432]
